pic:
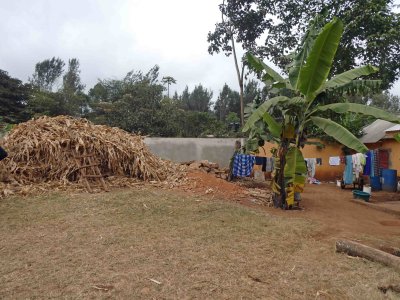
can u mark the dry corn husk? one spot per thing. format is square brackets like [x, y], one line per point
[42, 151]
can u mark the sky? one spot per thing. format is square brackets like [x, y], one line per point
[112, 37]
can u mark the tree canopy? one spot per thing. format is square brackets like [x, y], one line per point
[273, 29]
[13, 98]
[46, 73]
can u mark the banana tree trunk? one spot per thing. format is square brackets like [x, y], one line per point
[279, 196]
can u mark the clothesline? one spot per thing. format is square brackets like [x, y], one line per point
[369, 164]
[243, 164]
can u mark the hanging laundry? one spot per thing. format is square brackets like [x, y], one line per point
[334, 160]
[243, 165]
[259, 160]
[367, 168]
[358, 163]
[372, 172]
[269, 164]
[348, 171]
[376, 163]
[264, 165]
[311, 163]
[319, 161]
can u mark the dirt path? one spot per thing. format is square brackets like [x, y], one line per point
[326, 203]
[333, 207]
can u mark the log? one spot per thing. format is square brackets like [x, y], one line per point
[392, 250]
[360, 250]
[394, 288]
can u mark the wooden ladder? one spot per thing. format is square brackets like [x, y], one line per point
[89, 168]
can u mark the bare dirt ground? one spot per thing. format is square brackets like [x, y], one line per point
[152, 243]
[325, 203]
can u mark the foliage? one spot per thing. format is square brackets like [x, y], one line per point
[168, 80]
[197, 100]
[303, 110]
[372, 32]
[46, 74]
[13, 97]
[226, 102]
[71, 81]
[229, 100]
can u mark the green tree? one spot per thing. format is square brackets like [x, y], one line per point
[297, 114]
[74, 101]
[168, 80]
[45, 103]
[197, 100]
[372, 32]
[227, 101]
[132, 103]
[46, 74]
[251, 91]
[200, 99]
[98, 93]
[13, 98]
[71, 80]
[383, 100]
[224, 38]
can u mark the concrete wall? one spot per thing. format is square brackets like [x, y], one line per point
[221, 150]
[186, 149]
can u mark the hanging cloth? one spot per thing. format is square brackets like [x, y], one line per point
[348, 170]
[367, 168]
[372, 172]
[311, 163]
[243, 165]
[358, 163]
[259, 160]
[376, 164]
[269, 164]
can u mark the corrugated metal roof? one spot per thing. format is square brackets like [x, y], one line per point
[375, 131]
[394, 128]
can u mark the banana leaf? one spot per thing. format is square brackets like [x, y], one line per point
[259, 66]
[342, 108]
[348, 76]
[274, 127]
[261, 110]
[307, 44]
[319, 62]
[358, 86]
[339, 133]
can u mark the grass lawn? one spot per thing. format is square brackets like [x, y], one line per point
[152, 243]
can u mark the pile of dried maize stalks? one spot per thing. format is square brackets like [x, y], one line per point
[42, 153]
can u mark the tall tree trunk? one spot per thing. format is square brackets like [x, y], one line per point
[240, 80]
[238, 73]
[279, 178]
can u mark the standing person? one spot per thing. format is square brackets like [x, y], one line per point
[3, 153]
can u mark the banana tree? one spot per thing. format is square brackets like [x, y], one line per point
[293, 116]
